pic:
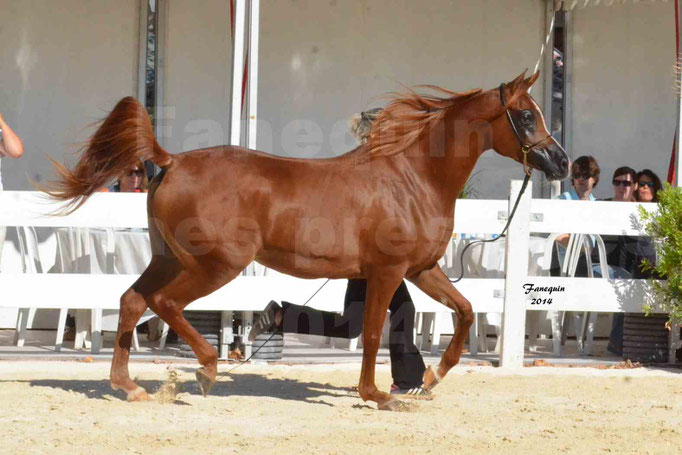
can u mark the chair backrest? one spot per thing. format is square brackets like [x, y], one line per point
[577, 244]
[575, 247]
[28, 247]
[601, 249]
[581, 243]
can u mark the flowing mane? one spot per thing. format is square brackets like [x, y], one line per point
[408, 115]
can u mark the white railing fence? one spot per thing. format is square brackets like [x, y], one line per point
[251, 293]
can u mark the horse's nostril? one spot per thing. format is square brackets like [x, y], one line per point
[564, 163]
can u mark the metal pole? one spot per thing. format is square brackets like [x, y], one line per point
[252, 109]
[548, 69]
[160, 61]
[678, 157]
[567, 125]
[237, 75]
[142, 55]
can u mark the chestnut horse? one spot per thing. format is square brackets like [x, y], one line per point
[383, 211]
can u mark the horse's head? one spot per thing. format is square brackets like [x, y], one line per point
[520, 132]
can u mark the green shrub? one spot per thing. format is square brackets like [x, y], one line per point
[666, 229]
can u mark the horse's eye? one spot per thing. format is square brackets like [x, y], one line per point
[527, 116]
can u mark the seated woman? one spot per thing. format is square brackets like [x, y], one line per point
[134, 180]
[632, 251]
[407, 364]
[648, 186]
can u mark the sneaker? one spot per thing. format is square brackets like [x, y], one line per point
[266, 322]
[414, 391]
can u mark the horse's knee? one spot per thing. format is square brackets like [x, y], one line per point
[465, 314]
[132, 304]
[161, 305]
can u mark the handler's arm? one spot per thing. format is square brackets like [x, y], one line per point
[10, 145]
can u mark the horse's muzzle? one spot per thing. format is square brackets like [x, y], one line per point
[552, 160]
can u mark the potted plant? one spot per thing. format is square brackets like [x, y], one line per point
[665, 226]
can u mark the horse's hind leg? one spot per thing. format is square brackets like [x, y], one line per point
[437, 285]
[169, 301]
[133, 305]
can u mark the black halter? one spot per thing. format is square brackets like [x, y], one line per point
[525, 149]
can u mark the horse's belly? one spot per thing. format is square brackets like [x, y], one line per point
[309, 267]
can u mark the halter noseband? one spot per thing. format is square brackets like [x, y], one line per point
[525, 149]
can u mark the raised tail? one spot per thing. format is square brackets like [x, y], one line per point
[124, 138]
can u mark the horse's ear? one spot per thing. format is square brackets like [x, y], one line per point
[516, 87]
[528, 83]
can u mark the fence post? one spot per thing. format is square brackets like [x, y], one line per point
[516, 266]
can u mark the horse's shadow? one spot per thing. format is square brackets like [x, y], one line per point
[240, 384]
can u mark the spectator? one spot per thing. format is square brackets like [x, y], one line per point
[620, 250]
[12, 147]
[584, 178]
[648, 186]
[133, 181]
[624, 185]
[625, 254]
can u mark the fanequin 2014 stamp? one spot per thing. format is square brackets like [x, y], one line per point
[536, 290]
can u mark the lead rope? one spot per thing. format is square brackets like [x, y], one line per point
[502, 234]
[271, 335]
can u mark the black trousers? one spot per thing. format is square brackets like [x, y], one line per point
[407, 365]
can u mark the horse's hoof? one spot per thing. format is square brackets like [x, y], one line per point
[205, 382]
[431, 379]
[390, 405]
[139, 394]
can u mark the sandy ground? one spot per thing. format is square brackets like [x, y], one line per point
[68, 407]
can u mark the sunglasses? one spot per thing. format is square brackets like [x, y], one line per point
[136, 173]
[584, 176]
[649, 184]
[624, 183]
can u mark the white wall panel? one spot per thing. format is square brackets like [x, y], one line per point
[623, 87]
[323, 61]
[63, 65]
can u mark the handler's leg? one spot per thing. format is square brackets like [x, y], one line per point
[407, 364]
[437, 285]
[304, 320]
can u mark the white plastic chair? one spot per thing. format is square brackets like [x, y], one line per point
[80, 247]
[31, 263]
[584, 324]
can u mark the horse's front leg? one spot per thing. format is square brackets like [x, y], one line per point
[436, 284]
[380, 290]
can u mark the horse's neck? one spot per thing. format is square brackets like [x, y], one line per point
[446, 156]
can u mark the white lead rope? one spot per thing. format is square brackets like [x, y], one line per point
[544, 46]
